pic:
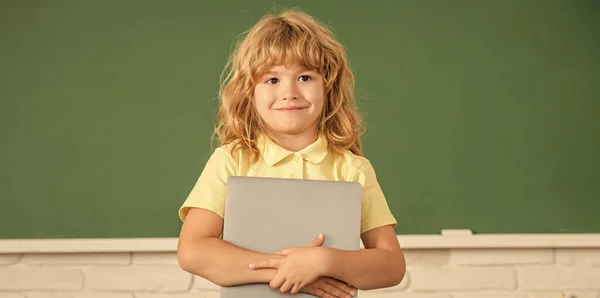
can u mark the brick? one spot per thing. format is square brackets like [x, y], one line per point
[542, 294]
[77, 295]
[488, 294]
[426, 257]
[581, 294]
[202, 284]
[11, 295]
[77, 259]
[578, 256]
[520, 294]
[512, 294]
[557, 294]
[155, 258]
[558, 278]
[147, 278]
[375, 294]
[462, 278]
[23, 278]
[184, 295]
[9, 259]
[487, 257]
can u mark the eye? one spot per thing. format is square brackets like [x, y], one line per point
[272, 81]
[305, 78]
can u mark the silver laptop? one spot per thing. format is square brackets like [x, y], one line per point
[269, 214]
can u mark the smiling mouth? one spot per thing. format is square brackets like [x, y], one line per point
[291, 108]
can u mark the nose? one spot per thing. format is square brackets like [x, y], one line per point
[289, 90]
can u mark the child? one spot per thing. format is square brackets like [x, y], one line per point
[288, 111]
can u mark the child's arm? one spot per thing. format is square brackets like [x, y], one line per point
[201, 252]
[381, 264]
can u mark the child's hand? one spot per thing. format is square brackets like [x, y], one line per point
[299, 267]
[327, 287]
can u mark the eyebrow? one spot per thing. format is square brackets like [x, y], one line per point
[304, 69]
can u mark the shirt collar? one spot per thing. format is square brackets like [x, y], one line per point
[273, 153]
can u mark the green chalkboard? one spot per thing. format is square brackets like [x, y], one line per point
[482, 115]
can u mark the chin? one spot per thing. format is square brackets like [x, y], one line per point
[290, 130]
[291, 127]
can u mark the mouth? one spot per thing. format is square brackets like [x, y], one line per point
[291, 108]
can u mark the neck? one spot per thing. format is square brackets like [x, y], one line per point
[294, 142]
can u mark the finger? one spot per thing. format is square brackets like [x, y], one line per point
[317, 292]
[285, 251]
[333, 290]
[299, 286]
[271, 263]
[327, 295]
[322, 294]
[340, 285]
[295, 289]
[277, 281]
[310, 289]
[317, 242]
[287, 286]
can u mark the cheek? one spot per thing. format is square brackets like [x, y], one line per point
[318, 97]
[263, 96]
[258, 99]
[262, 106]
[258, 107]
[320, 103]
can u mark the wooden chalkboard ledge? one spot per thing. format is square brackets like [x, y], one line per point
[446, 241]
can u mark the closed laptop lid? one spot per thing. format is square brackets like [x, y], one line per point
[269, 214]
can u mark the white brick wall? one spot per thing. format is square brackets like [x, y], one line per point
[77, 295]
[11, 295]
[431, 273]
[559, 277]
[16, 278]
[451, 278]
[139, 279]
[489, 257]
[578, 256]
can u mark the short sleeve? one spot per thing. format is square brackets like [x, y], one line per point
[375, 210]
[209, 191]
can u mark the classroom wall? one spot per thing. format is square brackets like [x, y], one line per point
[477, 111]
[432, 273]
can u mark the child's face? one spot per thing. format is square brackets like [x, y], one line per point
[290, 100]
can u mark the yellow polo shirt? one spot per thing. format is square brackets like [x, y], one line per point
[315, 162]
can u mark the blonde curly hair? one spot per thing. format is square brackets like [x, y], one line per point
[287, 37]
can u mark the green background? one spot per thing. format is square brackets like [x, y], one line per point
[482, 115]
